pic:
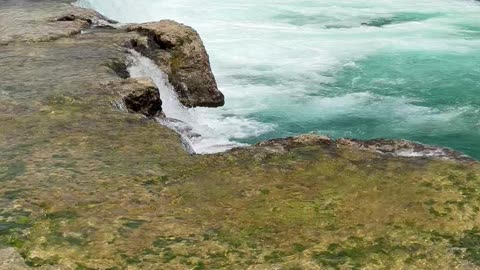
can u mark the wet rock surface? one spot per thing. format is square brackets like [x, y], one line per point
[84, 186]
[179, 51]
[34, 21]
[10, 259]
[400, 148]
[138, 95]
[405, 149]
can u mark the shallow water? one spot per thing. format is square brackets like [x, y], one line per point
[373, 69]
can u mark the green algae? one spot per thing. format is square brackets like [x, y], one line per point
[356, 253]
[100, 189]
[269, 205]
[14, 226]
[470, 243]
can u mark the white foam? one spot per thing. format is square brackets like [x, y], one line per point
[434, 152]
[202, 130]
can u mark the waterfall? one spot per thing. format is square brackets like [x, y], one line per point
[195, 126]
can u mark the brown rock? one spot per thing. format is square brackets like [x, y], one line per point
[178, 50]
[301, 140]
[399, 148]
[139, 95]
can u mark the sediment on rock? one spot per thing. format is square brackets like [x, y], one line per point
[179, 52]
[61, 21]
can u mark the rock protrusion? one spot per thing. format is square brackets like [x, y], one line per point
[84, 18]
[139, 95]
[399, 148]
[288, 143]
[179, 52]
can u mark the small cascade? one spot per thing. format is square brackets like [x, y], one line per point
[356, 69]
[195, 126]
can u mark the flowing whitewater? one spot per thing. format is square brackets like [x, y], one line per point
[371, 69]
[193, 125]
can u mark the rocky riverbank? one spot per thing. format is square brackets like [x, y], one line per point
[91, 183]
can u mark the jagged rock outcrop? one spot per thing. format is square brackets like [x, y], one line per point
[139, 95]
[402, 148]
[180, 53]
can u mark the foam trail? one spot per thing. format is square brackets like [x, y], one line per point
[196, 127]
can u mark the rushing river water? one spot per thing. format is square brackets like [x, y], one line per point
[364, 69]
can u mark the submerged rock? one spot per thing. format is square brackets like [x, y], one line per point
[139, 95]
[180, 53]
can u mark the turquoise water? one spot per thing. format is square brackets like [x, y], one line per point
[375, 69]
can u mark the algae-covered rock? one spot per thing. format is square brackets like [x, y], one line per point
[400, 148]
[179, 51]
[140, 95]
[10, 259]
[83, 186]
[405, 148]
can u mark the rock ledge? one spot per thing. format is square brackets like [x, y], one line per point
[179, 51]
[400, 148]
[138, 95]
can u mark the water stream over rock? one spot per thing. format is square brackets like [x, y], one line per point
[370, 69]
[197, 128]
